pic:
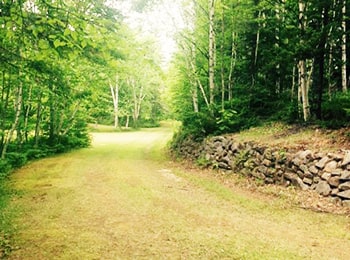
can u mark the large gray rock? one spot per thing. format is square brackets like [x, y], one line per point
[322, 163]
[295, 180]
[334, 181]
[344, 194]
[267, 162]
[307, 181]
[346, 159]
[331, 166]
[326, 176]
[223, 165]
[345, 186]
[258, 175]
[323, 188]
[313, 169]
[304, 155]
[345, 176]
[297, 161]
[304, 168]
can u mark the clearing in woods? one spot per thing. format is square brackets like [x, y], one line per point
[122, 199]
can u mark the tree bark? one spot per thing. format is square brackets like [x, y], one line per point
[115, 97]
[211, 52]
[324, 12]
[303, 75]
[194, 72]
[193, 76]
[232, 66]
[52, 124]
[256, 51]
[343, 49]
[38, 119]
[222, 53]
[18, 108]
[137, 99]
[5, 95]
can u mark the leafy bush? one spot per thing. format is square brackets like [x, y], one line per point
[199, 125]
[35, 153]
[289, 113]
[336, 112]
[5, 167]
[16, 159]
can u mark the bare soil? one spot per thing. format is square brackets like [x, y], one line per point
[123, 199]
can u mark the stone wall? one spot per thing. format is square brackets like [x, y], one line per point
[326, 173]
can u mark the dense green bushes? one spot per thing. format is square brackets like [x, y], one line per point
[19, 154]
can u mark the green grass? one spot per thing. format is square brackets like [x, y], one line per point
[122, 199]
[6, 215]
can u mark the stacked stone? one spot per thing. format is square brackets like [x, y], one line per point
[327, 174]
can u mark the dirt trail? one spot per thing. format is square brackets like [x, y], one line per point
[121, 199]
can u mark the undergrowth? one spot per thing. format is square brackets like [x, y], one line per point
[6, 228]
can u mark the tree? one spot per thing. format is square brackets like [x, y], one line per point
[258, 51]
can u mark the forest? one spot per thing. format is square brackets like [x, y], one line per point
[67, 64]
[242, 63]
[239, 63]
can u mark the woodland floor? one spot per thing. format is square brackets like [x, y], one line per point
[123, 199]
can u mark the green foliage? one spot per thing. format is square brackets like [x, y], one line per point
[203, 162]
[259, 45]
[36, 153]
[15, 159]
[5, 168]
[336, 112]
[225, 120]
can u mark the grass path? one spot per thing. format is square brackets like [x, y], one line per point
[121, 199]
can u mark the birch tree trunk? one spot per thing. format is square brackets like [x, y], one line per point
[197, 81]
[212, 51]
[193, 77]
[256, 49]
[138, 97]
[38, 119]
[343, 49]
[5, 95]
[18, 109]
[222, 53]
[232, 66]
[302, 69]
[115, 96]
[26, 114]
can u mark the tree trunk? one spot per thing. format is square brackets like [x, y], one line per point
[222, 53]
[137, 99]
[211, 52]
[232, 66]
[5, 95]
[38, 119]
[195, 97]
[303, 80]
[256, 51]
[26, 114]
[193, 77]
[321, 60]
[343, 49]
[18, 107]
[115, 97]
[127, 121]
[52, 119]
[194, 72]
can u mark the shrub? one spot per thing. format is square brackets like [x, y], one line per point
[5, 168]
[336, 112]
[35, 153]
[16, 159]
